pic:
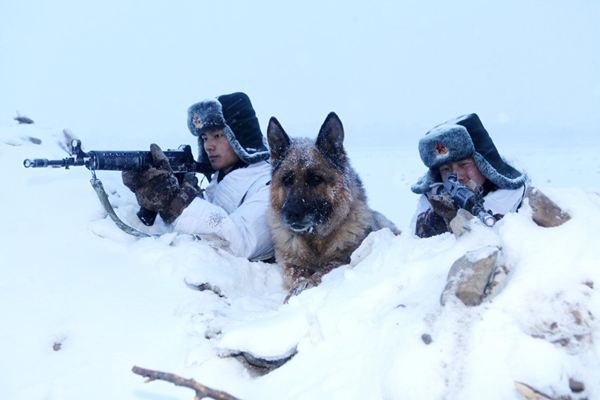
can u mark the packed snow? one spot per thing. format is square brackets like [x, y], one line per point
[83, 302]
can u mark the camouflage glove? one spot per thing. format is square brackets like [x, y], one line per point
[157, 189]
[443, 206]
[430, 224]
[436, 220]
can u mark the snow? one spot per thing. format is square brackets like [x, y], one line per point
[83, 302]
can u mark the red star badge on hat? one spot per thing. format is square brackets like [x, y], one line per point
[440, 149]
[197, 122]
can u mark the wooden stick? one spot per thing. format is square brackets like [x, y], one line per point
[201, 390]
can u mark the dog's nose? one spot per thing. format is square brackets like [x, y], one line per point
[296, 216]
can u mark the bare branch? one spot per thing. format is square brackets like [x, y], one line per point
[201, 390]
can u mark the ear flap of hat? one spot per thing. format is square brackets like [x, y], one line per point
[488, 159]
[247, 139]
[502, 174]
[424, 183]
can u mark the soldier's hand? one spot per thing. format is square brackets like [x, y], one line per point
[155, 187]
[443, 206]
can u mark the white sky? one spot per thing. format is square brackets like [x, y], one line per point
[388, 68]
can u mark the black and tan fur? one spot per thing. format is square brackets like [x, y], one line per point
[319, 213]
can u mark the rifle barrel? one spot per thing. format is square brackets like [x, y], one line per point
[44, 162]
[181, 160]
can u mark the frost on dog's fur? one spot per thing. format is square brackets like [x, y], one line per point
[319, 213]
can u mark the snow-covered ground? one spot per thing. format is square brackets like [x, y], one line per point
[82, 302]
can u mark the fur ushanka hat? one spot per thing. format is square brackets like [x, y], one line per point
[458, 139]
[234, 114]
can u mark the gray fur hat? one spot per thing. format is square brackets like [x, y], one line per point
[458, 139]
[235, 115]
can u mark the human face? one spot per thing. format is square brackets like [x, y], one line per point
[220, 154]
[466, 170]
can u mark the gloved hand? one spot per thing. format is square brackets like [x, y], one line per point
[443, 206]
[157, 189]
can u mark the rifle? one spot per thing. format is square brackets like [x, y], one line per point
[470, 200]
[181, 161]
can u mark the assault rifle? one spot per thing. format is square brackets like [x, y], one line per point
[470, 200]
[181, 161]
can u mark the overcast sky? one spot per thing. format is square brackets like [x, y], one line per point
[390, 69]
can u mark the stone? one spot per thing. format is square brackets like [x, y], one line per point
[546, 213]
[426, 338]
[576, 386]
[470, 276]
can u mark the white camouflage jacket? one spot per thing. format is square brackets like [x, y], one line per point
[234, 210]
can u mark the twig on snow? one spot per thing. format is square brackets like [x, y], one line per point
[201, 390]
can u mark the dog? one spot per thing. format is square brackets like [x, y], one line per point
[318, 210]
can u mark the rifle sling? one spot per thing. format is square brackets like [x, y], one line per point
[103, 197]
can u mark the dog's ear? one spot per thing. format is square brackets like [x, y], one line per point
[279, 141]
[331, 139]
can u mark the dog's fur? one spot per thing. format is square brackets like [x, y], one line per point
[319, 213]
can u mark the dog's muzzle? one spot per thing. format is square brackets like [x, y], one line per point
[298, 217]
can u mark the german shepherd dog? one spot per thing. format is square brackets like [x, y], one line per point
[318, 207]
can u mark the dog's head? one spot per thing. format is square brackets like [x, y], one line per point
[310, 188]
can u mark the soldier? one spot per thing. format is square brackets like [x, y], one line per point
[464, 147]
[234, 156]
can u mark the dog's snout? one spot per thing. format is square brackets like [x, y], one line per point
[297, 216]
[294, 211]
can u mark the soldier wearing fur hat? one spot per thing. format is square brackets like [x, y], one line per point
[233, 155]
[463, 146]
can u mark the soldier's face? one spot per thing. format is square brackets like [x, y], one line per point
[220, 154]
[465, 170]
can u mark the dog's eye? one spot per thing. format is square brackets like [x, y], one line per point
[314, 180]
[287, 180]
